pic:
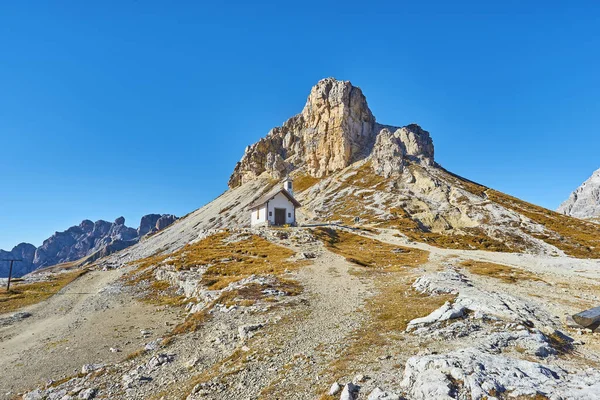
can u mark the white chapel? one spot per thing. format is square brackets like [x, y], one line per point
[276, 208]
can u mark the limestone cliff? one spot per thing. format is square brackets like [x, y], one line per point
[335, 129]
[584, 202]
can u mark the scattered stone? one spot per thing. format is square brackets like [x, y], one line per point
[153, 345]
[378, 394]
[16, 317]
[191, 363]
[114, 350]
[334, 389]
[247, 331]
[159, 360]
[34, 395]
[87, 394]
[350, 392]
[87, 368]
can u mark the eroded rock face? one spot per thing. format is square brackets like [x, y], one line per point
[22, 251]
[335, 129]
[585, 201]
[148, 224]
[164, 221]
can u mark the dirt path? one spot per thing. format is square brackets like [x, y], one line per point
[76, 326]
[290, 354]
[336, 298]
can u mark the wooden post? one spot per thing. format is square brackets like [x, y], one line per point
[9, 275]
[12, 260]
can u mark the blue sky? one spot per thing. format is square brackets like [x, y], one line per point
[128, 108]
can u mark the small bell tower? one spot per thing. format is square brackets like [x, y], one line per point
[287, 185]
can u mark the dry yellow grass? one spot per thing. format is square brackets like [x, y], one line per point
[577, 238]
[228, 261]
[574, 236]
[303, 182]
[470, 239]
[366, 178]
[503, 272]
[370, 252]
[26, 294]
[346, 208]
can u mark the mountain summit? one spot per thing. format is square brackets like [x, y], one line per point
[335, 129]
[584, 202]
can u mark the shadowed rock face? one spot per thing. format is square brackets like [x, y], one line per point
[335, 129]
[100, 238]
[23, 251]
[584, 202]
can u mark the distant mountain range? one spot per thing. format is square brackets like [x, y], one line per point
[584, 202]
[88, 239]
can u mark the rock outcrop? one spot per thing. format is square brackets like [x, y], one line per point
[148, 224]
[95, 239]
[335, 129]
[164, 221]
[584, 202]
[22, 251]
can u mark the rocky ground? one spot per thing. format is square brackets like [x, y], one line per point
[481, 337]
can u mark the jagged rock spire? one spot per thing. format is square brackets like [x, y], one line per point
[335, 129]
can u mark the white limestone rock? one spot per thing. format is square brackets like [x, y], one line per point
[350, 392]
[334, 389]
[584, 202]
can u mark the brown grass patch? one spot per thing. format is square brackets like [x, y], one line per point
[227, 262]
[303, 182]
[366, 178]
[577, 238]
[505, 273]
[135, 354]
[26, 294]
[346, 208]
[469, 239]
[574, 236]
[369, 252]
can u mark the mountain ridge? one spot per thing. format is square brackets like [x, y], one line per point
[80, 241]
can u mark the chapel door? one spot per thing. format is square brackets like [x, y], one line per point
[280, 216]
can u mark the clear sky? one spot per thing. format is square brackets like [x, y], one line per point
[128, 108]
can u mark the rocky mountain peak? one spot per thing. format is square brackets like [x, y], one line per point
[584, 202]
[335, 129]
